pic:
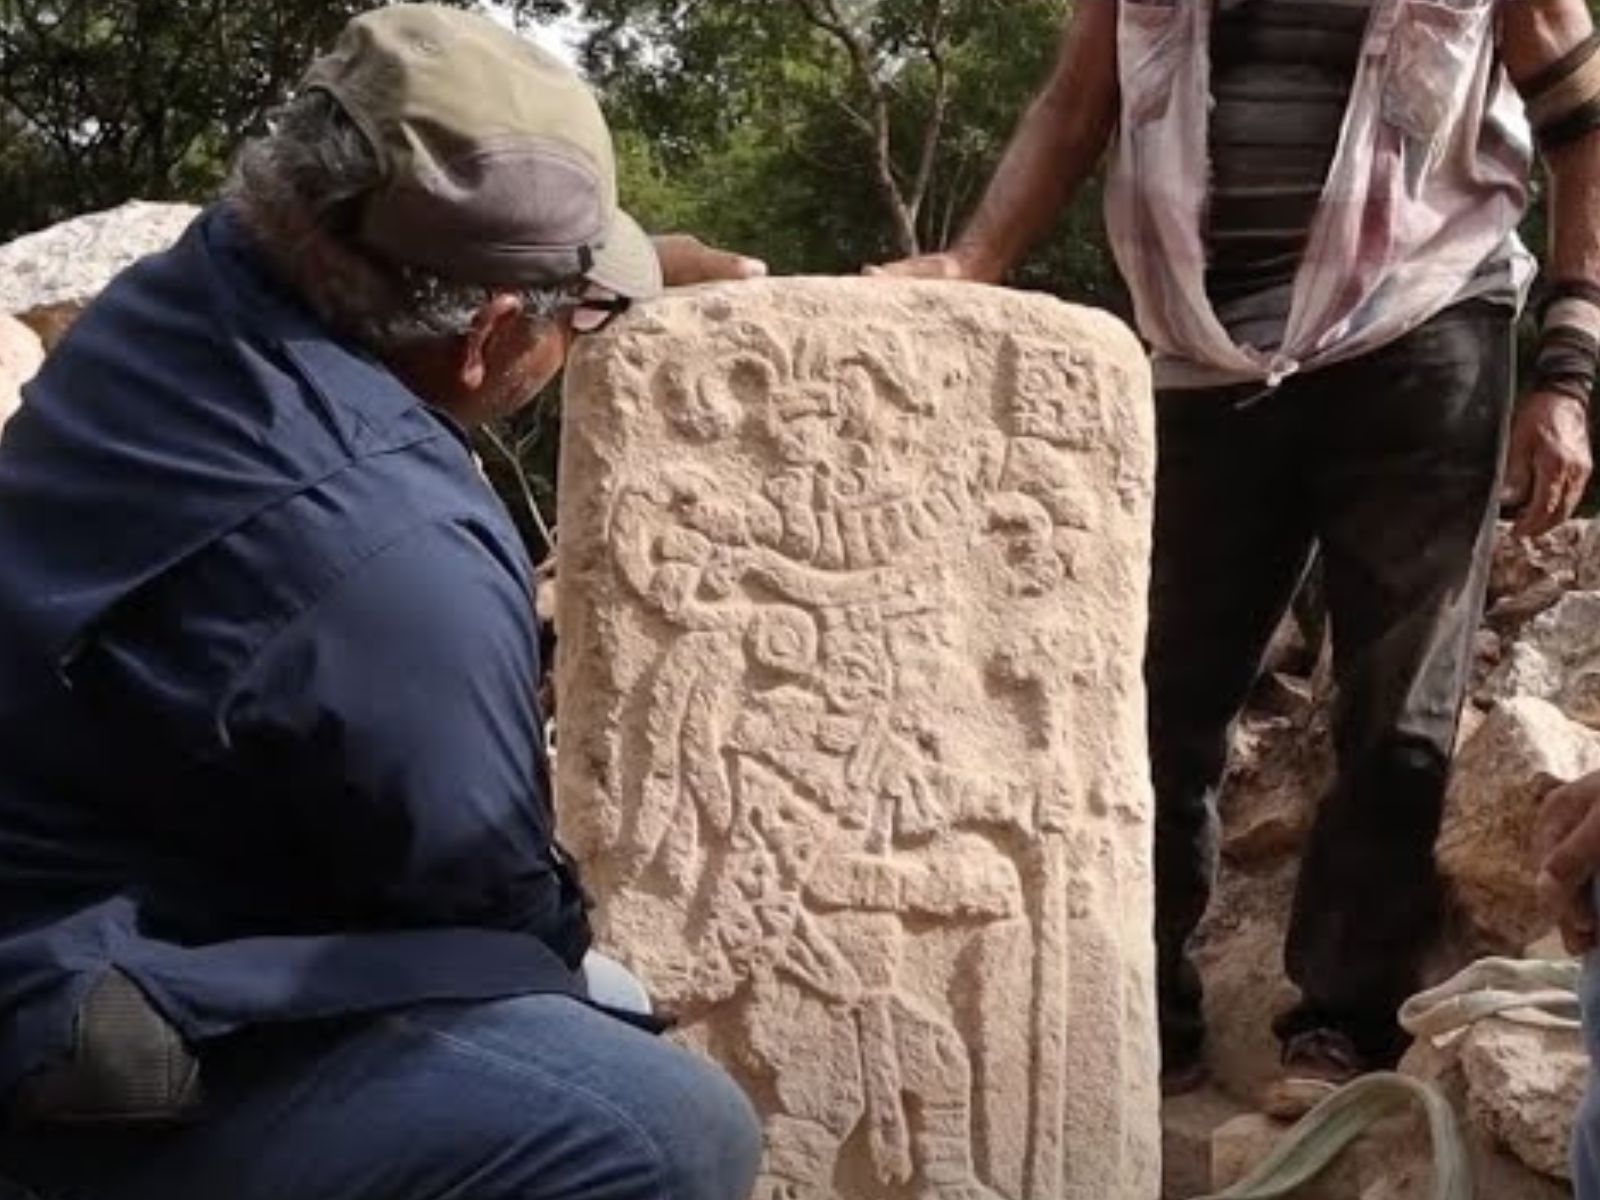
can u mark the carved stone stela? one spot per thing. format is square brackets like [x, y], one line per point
[852, 605]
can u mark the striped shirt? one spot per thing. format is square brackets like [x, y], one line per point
[1281, 78]
[1300, 181]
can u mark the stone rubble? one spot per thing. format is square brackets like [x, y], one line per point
[21, 356]
[48, 277]
[1533, 720]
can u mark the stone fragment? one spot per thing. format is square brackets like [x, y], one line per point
[1244, 1143]
[48, 277]
[1501, 776]
[1279, 769]
[1524, 1085]
[1520, 564]
[1239, 950]
[1188, 1125]
[1557, 658]
[21, 356]
[1497, 1174]
[1588, 558]
[852, 583]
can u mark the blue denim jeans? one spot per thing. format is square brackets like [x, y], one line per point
[531, 1098]
[1586, 1130]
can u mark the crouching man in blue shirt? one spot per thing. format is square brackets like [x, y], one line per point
[282, 916]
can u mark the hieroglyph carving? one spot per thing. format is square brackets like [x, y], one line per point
[852, 734]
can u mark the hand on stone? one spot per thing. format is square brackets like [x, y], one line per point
[1547, 462]
[686, 260]
[1567, 840]
[949, 264]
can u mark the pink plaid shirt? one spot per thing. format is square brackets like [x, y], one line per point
[1430, 179]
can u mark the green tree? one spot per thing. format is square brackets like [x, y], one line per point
[823, 134]
[103, 100]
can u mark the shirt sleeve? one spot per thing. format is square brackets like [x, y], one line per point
[399, 719]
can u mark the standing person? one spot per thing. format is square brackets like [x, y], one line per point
[282, 916]
[1313, 203]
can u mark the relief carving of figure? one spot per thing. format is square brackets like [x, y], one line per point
[798, 790]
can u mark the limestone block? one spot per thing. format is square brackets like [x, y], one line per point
[1188, 1125]
[21, 356]
[1588, 557]
[1497, 1173]
[1524, 747]
[1524, 1085]
[48, 277]
[1520, 564]
[852, 582]
[1557, 658]
[1239, 950]
[1244, 1143]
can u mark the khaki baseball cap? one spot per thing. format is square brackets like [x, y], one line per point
[498, 168]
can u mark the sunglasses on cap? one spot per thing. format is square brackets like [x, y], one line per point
[594, 310]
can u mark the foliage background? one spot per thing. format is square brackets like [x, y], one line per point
[818, 134]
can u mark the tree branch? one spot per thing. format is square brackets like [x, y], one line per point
[825, 16]
[934, 129]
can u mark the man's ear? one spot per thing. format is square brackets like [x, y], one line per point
[491, 321]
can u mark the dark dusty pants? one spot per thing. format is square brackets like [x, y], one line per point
[1390, 464]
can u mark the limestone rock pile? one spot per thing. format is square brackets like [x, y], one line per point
[1533, 720]
[47, 278]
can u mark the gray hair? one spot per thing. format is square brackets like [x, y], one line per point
[298, 189]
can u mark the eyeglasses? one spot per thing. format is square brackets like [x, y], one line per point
[592, 313]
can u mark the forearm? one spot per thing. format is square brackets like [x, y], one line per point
[1057, 145]
[1574, 199]
[1552, 54]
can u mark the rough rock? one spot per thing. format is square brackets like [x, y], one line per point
[1392, 1161]
[1497, 1174]
[1279, 768]
[1524, 1085]
[852, 598]
[1188, 1126]
[1244, 1143]
[1502, 774]
[1588, 568]
[1557, 658]
[21, 355]
[1239, 950]
[48, 277]
[1521, 565]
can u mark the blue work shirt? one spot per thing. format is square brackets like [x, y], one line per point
[269, 741]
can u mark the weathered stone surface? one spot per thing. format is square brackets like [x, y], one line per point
[1497, 1174]
[1524, 1085]
[1244, 1143]
[852, 604]
[46, 278]
[1392, 1161]
[1557, 658]
[1280, 767]
[1501, 776]
[1188, 1125]
[1520, 564]
[1240, 953]
[1588, 558]
[21, 355]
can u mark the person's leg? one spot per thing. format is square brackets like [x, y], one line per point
[1406, 481]
[1232, 537]
[534, 1098]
